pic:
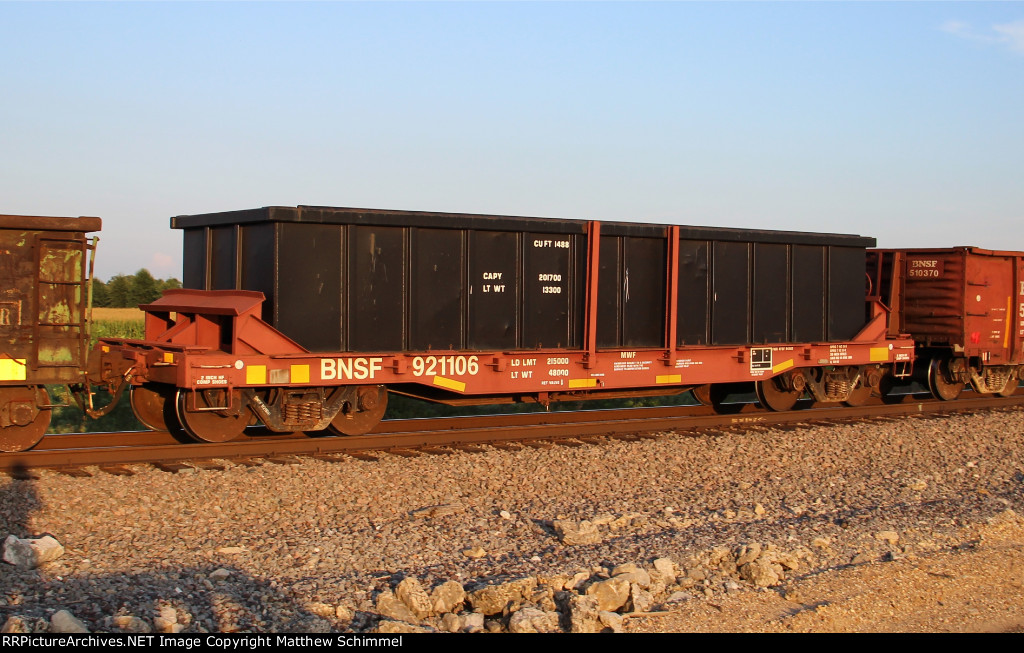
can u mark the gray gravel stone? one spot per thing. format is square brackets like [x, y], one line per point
[495, 599]
[32, 552]
[447, 597]
[389, 605]
[640, 600]
[611, 594]
[327, 534]
[63, 622]
[473, 621]
[572, 533]
[533, 620]
[412, 594]
[16, 624]
[400, 627]
[610, 620]
[131, 624]
[583, 614]
[666, 568]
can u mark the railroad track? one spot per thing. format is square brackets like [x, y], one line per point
[71, 453]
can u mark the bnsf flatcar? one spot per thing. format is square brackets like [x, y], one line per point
[305, 318]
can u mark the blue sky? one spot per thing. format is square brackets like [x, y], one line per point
[895, 120]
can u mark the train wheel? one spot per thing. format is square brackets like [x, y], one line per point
[702, 393]
[939, 382]
[364, 412]
[26, 423]
[774, 398]
[211, 425]
[714, 395]
[1010, 388]
[154, 406]
[858, 396]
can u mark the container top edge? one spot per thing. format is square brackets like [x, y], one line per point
[428, 219]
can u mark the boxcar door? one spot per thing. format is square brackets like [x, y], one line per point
[990, 300]
[1018, 333]
[61, 296]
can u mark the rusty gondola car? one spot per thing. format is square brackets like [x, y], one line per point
[45, 271]
[304, 318]
[964, 308]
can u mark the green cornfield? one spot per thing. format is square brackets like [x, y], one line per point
[117, 323]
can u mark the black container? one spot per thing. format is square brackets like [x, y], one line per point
[339, 279]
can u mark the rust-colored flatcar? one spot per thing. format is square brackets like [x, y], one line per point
[304, 318]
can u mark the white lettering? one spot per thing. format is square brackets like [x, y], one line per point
[328, 369]
[558, 244]
[447, 365]
[344, 368]
[211, 380]
[350, 368]
[360, 368]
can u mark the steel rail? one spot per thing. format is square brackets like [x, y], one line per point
[405, 435]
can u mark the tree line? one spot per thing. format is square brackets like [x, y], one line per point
[128, 291]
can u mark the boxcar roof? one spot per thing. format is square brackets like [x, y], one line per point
[42, 223]
[425, 219]
[967, 249]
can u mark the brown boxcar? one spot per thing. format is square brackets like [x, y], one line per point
[44, 308]
[964, 308]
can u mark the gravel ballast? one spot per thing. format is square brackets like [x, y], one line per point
[319, 546]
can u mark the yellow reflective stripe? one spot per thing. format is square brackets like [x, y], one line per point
[451, 384]
[785, 365]
[12, 369]
[256, 374]
[670, 378]
[879, 354]
[300, 373]
[1009, 315]
[582, 383]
